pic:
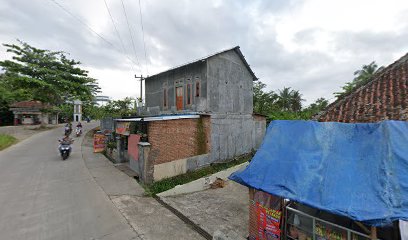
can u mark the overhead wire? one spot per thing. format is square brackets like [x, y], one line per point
[117, 32]
[144, 42]
[130, 32]
[88, 27]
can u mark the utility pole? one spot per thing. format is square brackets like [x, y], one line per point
[141, 87]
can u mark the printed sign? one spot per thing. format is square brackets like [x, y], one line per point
[99, 142]
[267, 213]
[122, 128]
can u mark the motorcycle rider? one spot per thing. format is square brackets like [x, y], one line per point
[68, 129]
[79, 127]
[66, 140]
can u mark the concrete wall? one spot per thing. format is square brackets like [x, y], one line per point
[180, 166]
[233, 135]
[230, 84]
[189, 73]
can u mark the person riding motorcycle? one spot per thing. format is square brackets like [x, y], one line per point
[68, 129]
[78, 130]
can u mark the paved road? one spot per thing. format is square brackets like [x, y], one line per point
[43, 197]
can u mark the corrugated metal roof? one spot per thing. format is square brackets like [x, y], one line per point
[236, 49]
[158, 118]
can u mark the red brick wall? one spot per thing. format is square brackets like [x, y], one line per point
[176, 139]
[384, 98]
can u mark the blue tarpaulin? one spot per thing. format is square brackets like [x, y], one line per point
[355, 170]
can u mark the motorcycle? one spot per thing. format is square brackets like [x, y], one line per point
[67, 131]
[65, 148]
[78, 131]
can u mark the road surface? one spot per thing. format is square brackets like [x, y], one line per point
[43, 197]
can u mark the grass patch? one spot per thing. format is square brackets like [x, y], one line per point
[169, 183]
[6, 141]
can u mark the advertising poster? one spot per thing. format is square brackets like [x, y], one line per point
[99, 142]
[265, 217]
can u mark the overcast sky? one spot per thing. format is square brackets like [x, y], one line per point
[313, 46]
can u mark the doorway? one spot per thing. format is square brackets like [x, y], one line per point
[179, 98]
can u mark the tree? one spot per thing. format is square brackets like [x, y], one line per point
[263, 101]
[319, 105]
[289, 100]
[362, 77]
[284, 99]
[296, 101]
[36, 74]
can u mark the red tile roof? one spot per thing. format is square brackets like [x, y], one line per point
[385, 97]
[29, 104]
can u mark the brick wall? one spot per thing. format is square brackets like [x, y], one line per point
[176, 139]
[385, 97]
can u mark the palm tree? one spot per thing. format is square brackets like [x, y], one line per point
[285, 99]
[363, 76]
[296, 101]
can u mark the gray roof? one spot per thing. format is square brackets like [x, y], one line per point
[236, 49]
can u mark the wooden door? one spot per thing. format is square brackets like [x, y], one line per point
[179, 98]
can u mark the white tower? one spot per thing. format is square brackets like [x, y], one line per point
[77, 111]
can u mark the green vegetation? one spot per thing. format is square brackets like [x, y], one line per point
[363, 76]
[284, 105]
[6, 141]
[169, 183]
[47, 76]
[117, 108]
[201, 138]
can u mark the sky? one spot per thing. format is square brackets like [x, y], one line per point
[313, 46]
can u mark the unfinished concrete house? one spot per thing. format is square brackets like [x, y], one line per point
[196, 114]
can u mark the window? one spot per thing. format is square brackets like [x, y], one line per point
[189, 94]
[197, 88]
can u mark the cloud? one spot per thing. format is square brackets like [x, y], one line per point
[310, 45]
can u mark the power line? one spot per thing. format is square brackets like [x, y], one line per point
[117, 32]
[87, 26]
[130, 32]
[144, 43]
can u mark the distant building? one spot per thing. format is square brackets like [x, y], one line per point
[102, 100]
[33, 112]
[77, 110]
[385, 97]
[196, 114]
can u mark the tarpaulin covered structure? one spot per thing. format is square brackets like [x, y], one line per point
[355, 170]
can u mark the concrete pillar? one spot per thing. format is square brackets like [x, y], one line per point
[120, 149]
[146, 165]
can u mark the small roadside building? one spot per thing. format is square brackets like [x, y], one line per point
[195, 114]
[33, 112]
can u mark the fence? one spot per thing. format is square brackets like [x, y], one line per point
[302, 226]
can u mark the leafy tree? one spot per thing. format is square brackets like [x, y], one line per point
[263, 101]
[362, 77]
[36, 74]
[319, 105]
